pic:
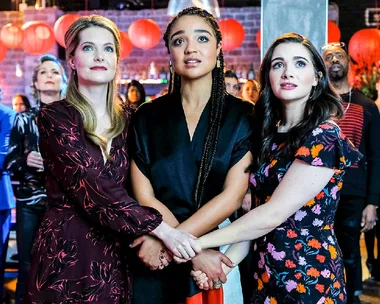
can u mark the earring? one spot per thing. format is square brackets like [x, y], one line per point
[218, 63]
[170, 67]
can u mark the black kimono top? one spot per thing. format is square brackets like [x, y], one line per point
[163, 151]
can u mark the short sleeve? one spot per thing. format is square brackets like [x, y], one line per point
[327, 146]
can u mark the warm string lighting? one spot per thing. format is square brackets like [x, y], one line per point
[19, 72]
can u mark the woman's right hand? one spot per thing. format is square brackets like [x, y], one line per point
[34, 160]
[181, 244]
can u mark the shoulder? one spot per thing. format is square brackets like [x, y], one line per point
[6, 111]
[362, 100]
[154, 107]
[60, 109]
[239, 105]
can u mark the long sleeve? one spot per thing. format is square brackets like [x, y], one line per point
[5, 129]
[92, 187]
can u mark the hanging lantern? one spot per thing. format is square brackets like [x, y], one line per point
[364, 46]
[39, 37]
[3, 51]
[126, 45]
[258, 38]
[333, 32]
[232, 34]
[62, 25]
[11, 35]
[144, 33]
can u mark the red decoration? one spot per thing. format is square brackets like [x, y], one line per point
[3, 51]
[126, 45]
[333, 32]
[232, 34]
[62, 25]
[144, 33]
[11, 35]
[364, 46]
[39, 37]
[258, 38]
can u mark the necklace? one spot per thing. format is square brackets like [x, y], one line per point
[349, 101]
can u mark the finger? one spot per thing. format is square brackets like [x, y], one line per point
[137, 242]
[226, 260]
[165, 262]
[195, 273]
[206, 286]
[210, 283]
[179, 260]
[195, 245]
[223, 277]
[363, 222]
[189, 250]
[183, 253]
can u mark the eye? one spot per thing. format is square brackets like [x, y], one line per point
[56, 72]
[87, 48]
[278, 65]
[339, 56]
[328, 57]
[42, 72]
[178, 41]
[300, 64]
[109, 49]
[203, 39]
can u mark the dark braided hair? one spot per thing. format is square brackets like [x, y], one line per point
[323, 103]
[217, 99]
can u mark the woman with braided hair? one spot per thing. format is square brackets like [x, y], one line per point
[190, 153]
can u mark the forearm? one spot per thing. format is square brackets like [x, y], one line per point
[236, 253]
[167, 215]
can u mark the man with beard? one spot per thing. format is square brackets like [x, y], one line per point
[360, 195]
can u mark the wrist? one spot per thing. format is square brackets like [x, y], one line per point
[161, 230]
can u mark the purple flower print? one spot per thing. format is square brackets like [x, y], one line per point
[290, 285]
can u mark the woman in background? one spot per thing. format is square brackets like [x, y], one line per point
[135, 94]
[20, 103]
[26, 165]
[250, 91]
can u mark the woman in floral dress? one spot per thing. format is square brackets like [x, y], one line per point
[296, 186]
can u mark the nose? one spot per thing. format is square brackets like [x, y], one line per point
[334, 59]
[190, 48]
[288, 72]
[98, 57]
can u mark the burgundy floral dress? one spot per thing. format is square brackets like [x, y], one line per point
[78, 251]
[300, 261]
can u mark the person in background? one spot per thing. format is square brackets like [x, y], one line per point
[232, 83]
[7, 201]
[360, 195]
[250, 91]
[135, 95]
[77, 255]
[26, 165]
[20, 103]
[190, 152]
[296, 258]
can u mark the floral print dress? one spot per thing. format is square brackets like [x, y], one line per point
[300, 261]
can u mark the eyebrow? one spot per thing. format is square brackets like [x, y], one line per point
[196, 31]
[294, 58]
[89, 42]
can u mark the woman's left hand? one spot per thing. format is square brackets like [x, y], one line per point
[201, 279]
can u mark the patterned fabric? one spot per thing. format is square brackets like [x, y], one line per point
[300, 261]
[77, 255]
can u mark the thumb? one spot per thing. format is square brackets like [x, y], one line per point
[363, 219]
[137, 242]
[227, 261]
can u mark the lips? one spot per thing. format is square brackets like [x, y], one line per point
[288, 86]
[192, 62]
[49, 82]
[98, 68]
[336, 67]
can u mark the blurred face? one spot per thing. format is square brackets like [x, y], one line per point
[249, 91]
[49, 77]
[193, 48]
[95, 58]
[18, 105]
[133, 94]
[292, 74]
[232, 85]
[337, 63]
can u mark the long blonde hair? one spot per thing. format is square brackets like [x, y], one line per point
[80, 102]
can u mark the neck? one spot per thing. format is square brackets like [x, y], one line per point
[342, 86]
[293, 114]
[97, 96]
[49, 96]
[196, 93]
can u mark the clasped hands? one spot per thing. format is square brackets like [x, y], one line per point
[209, 266]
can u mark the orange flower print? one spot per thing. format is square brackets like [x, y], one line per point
[298, 246]
[314, 243]
[341, 296]
[333, 252]
[310, 203]
[301, 288]
[291, 234]
[332, 180]
[290, 264]
[320, 258]
[313, 272]
[336, 285]
[320, 288]
[272, 300]
[265, 277]
[303, 151]
[320, 195]
[315, 150]
[273, 163]
[332, 276]
[329, 301]
[298, 275]
[340, 185]
[260, 284]
[343, 160]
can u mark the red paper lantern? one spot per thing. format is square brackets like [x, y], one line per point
[364, 46]
[39, 37]
[62, 25]
[126, 45]
[3, 51]
[232, 34]
[11, 35]
[144, 33]
[258, 38]
[333, 32]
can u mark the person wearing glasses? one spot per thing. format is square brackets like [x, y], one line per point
[360, 194]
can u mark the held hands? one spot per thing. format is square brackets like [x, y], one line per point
[34, 160]
[181, 244]
[152, 252]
